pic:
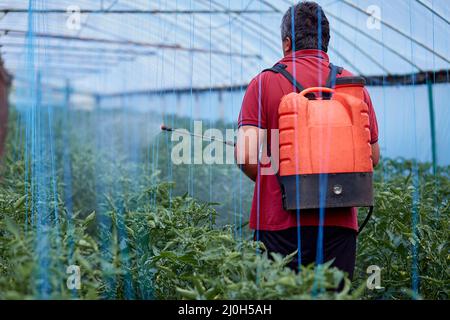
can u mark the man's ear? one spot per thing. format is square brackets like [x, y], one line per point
[287, 46]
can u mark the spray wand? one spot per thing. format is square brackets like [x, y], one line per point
[168, 129]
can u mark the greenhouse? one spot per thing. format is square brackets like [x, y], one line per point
[96, 95]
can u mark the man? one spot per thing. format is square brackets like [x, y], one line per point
[307, 60]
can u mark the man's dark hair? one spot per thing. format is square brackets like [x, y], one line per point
[307, 15]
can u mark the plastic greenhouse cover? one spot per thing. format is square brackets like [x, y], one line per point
[227, 36]
[187, 44]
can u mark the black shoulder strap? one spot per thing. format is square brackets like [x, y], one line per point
[334, 71]
[331, 81]
[281, 68]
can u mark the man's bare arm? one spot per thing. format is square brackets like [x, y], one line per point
[375, 154]
[247, 150]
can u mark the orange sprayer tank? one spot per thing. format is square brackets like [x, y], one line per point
[325, 152]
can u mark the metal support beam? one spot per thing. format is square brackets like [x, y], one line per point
[395, 80]
[136, 11]
[152, 92]
[419, 78]
[79, 60]
[52, 88]
[80, 50]
[382, 80]
[67, 94]
[60, 68]
[437, 14]
[432, 126]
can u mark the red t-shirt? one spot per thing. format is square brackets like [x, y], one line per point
[260, 108]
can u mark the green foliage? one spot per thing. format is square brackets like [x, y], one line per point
[389, 238]
[137, 237]
[19, 255]
[193, 259]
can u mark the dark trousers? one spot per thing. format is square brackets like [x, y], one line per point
[338, 244]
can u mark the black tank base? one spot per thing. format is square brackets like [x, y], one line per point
[343, 190]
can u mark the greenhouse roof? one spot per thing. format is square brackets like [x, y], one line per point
[139, 45]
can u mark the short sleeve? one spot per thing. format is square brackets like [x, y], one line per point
[372, 118]
[252, 110]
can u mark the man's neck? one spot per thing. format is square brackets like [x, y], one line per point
[286, 53]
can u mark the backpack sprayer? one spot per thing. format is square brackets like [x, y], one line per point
[324, 132]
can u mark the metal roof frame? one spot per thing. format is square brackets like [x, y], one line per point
[110, 44]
